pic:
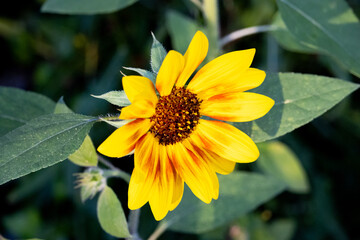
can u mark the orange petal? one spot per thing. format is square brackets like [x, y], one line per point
[226, 69]
[169, 72]
[122, 141]
[142, 107]
[239, 82]
[197, 174]
[194, 55]
[225, 140]
[237, 106]
[135, 85]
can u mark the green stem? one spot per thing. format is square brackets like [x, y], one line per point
[160, 229]
[114, 171]
[245, 32]
[211, 15]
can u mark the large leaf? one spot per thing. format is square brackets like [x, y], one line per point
[299, 98]
[329, 26]
[240, 193]
[279, 161]
[286, 39]
[85, 6]
[40, 143]
[17, 107]
[86, 155]
[181, 29]
[111, 215]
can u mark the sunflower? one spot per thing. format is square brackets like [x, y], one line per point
[172, 143]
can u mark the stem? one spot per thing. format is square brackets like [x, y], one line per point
[245, 32]
[211, 15]
[134, 224]
[160, 229]
[197, 3]
[114, 172]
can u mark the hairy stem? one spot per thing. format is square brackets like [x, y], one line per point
[211, 15]
[160, 229]
[115, 172]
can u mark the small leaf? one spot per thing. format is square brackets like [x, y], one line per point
[240, 193]
[158, 53]
[116, 123]
[40, 143]
[328, 26]
[111, 215]
[181, 28]
[61, 107]
[86, 155]
[85, 6]
[117, 98]
[144, 73]
[277, 160]
[299, 98]
[17, 107]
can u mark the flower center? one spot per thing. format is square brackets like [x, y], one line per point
[176, 116]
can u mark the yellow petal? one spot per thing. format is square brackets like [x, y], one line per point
[122, 141]
[135, 85]
[178, 192]
[237, 107]
[196, 173]
[142, 107]
[161, 196]
[169, 72]
[194, 55]
[226, 141]
[219, 164]
[143, 180]
[238, 82]
[140, 187]
[225, 69]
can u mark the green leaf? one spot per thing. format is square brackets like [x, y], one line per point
[240, 193]
[329, 26]
[277, 160]
[40, 143]
[85, 6]
[117, 98]
[61, 107]
[158, 53]
[111, 215]
[86, 155]
[17, 107]
[181, 28]
[144, 73]
[299, 98]
[286, 39]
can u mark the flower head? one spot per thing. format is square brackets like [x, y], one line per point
[172, 143]
[91, 181]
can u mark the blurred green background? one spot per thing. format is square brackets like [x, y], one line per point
[75, 56]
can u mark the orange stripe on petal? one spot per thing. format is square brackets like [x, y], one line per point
[226, 69]
[195, 172]
[237, 107]
[135, 85]
[144, 177]
[122, 141]
[169, 72]
[226, 141]
[194, 55]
